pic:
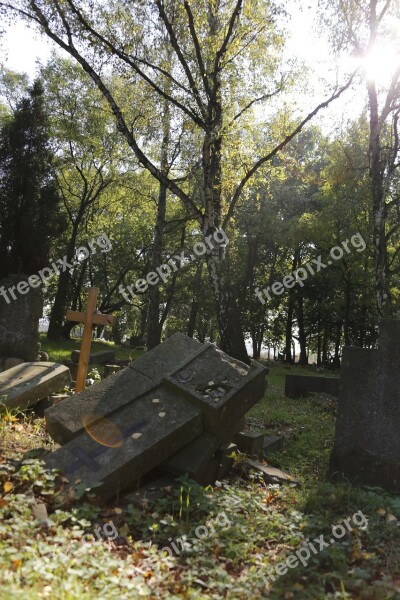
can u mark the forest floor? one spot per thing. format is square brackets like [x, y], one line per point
[224, 540]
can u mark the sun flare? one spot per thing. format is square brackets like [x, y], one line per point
[381, 63]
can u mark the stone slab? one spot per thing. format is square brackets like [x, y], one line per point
[26, 384]
[272, 474]
[273, 443]
[97, 358]
[196, 459]
[114, 453]
[112, 393]
[367, 442]
[302, 385]
[223, 387]
[19, 321]
[250, 442]
[110, 369]
[178, 370]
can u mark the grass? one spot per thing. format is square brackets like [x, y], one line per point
[60, 351]
[247, 527]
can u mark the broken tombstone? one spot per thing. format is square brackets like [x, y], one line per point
[28, 383]
[173, 407]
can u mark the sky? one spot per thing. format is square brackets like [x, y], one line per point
[21, 48]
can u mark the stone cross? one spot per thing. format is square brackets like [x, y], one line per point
[89, 318]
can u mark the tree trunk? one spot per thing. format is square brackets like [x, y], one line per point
[303, 360]
[325, 346]
[154, 327]
[228, 314]
[63, 294]
[194, 308]
[319, 345]
[288, 332]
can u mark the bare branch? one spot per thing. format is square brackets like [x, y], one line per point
[279, 147]
[250, 104]
[128, 60]
[121, 124]
[197, 48]
[182, 60]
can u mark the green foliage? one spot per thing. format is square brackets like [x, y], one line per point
[29, 201]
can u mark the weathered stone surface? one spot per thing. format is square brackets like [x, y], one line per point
[96, 358]
[196, 460]
[250, 442]
[271, 474]
[177, 377]
[24, 385]
[367, 441]
[273, 443]
[115, 452]
[73, 367]
[302, 385]
[66, 422]
[223, 387]
[19, 321]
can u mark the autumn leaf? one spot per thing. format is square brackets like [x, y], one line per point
[8, 486]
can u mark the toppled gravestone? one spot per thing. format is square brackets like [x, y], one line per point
[25, 384]
[367, 440]
[172, 408]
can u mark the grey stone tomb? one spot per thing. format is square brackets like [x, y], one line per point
[172, 408]
[19, 321]
[367, 439]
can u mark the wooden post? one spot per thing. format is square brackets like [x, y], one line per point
[89, 318]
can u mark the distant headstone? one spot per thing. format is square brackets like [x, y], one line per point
[95, 358]
[367, 441]
[19, 320]
[302, 385]
[173, 407]
[26, 384]
[111, 369]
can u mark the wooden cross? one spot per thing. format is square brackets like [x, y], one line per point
[89, 318]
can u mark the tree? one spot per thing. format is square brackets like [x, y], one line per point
[211, 43]
[84, 140]
[29, 201]
[360, 29]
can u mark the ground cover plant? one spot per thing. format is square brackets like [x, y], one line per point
[223, 541]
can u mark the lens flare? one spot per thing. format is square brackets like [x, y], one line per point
[103, 431]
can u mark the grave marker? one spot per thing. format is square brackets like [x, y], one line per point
[367, 442]
[89, 318]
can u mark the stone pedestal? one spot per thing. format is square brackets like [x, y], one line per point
[19, 320]
[367, 439]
